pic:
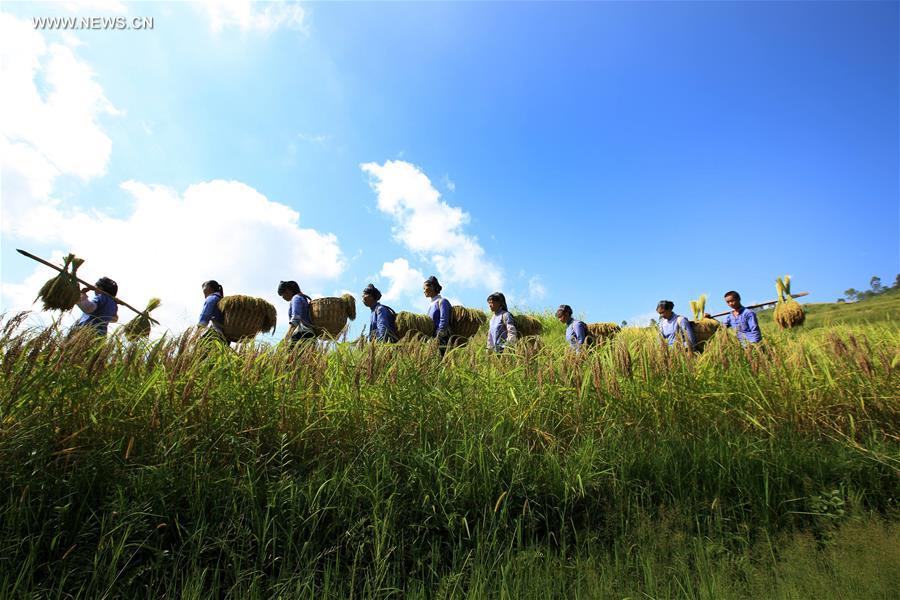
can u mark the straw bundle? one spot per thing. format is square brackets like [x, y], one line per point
[414, 325]
[704, 329]
[465, 322]
[788, 312]
[62, 292]
[602, 332]
[245, 316]
[526, 325]
[329, 315]
[139, 326]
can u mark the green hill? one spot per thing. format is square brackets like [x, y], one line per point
[884, 308]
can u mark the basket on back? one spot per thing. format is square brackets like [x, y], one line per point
[602, 332]
[527, 326]
[329, 315]
[465, 322]
[410, 325]
[245, 316]
[703, 327]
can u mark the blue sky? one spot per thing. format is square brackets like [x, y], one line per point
[603, 155]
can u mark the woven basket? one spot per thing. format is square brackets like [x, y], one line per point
[414, 325]
[602, 332]
[704, 329]
[789, 314]
[245, 316]
[465, 322]
[329, 315]
[526, 325]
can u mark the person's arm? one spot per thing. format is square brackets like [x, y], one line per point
[444, 316]
[752, 323]
[296, 310]
[381, 326]
[206, 314]
[580, 331]
[512, 334]
[86, 305]
[690, 340]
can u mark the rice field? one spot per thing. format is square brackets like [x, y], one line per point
[176, 469]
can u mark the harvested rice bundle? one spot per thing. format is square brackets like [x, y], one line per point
[245, 316]
[414, 325]
[602, 332]
[329, 315]
[526, 325]
[788, 313]
[704, 328]
[62, 292]
[465, 322]
[139, 326]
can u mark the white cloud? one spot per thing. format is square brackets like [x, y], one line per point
[314, 139]
[536, 289]
[171, 243]
[643, 319]
[246, 15]
[405, 284]
[427, 225]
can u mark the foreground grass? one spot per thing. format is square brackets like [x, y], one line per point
[169, 469]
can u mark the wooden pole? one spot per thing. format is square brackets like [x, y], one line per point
[85, 283]
[761, 304]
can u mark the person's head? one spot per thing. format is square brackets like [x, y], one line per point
[371, 296]
[496, 301]
[431, 287]
[212, 287]
[288, 289]
[733, 300]
[664, 308]
[564, 313]
[105, 284]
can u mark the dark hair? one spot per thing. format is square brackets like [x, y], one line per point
[373, 291]
[665, 305]
[434, 284]
[498, 297]
[288, 286]
[107, 285]
[564, 308]
[733, 293]
[214, 285]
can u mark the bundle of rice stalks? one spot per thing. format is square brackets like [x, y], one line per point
[788, 312]
[526, 325]
[245, 316]
[62, 292]
[602, 332]
[139, 326]
[329, 315]
[414, 325]
[703, 328]
[465, 322]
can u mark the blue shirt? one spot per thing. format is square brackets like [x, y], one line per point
[501, 331]
[298, 311]
[440, 311]
[383, 324]
[745, 325]
[576, 333]
[677, 327]
[105, 311]
[211, 311]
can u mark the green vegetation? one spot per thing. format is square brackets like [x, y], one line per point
[173, 469]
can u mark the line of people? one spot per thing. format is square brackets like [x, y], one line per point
[101, 310]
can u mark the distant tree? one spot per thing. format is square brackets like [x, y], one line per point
[624, 323]
[851, 294]
[875, 284]
[652, 322]
[897, 281]
[841, 300]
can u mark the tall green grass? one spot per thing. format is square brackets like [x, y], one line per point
[173, 468]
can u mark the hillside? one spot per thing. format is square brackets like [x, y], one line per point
[882, 309]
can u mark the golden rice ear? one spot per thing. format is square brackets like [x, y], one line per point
[350, 303]
[412, 324]
[527, 326]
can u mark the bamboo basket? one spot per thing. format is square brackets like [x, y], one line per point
[329, 315]
[245, 316]
[602, 332]
[414, 325]
[704, 329]
[465, 322]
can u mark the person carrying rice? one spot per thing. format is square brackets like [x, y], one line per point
[383, 323]
[674, 327]
[576, 331]
[741, 319]
[439, 310]
[502, 331]
[211, 316]
[101, 310]
[300, 321]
